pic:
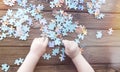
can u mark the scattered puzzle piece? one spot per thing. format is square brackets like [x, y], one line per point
[77, 41]
[99, 34]
[81, 36]
[55, 51]
[5, 67]
[100, 16]
[46, 56]
[110, 31]
[51, 44]
[62, 57]
[9, 2]
[19, 61]
[57, 41]
[63, 50]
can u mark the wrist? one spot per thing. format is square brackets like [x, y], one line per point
[34, 55]
[78, 55]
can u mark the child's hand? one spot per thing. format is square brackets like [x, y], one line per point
[71, 48]
[38, 46]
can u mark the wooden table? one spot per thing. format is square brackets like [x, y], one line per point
[103, 54]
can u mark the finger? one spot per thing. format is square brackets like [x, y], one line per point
[41, 39]
[35, 39]
[46, 40]
[73, 42]
[66, 43]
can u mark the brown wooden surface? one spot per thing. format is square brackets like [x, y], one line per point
[103, 54]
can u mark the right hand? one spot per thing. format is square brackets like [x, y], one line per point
[71, 48]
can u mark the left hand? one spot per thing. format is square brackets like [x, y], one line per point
[38, 46]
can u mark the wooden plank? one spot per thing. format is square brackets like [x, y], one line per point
[45, 69]
[110, 6]
[65, 68]
[38, 69]
[103, 55]
[3, 6]
[56, 68]
[114, 66]
[100, 67]
[110, 20]
[2, 13]
[90, 39]
[111, 70]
